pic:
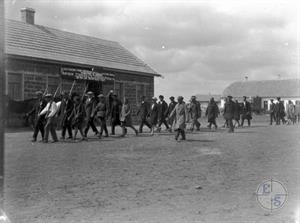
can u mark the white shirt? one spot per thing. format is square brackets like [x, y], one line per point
[52, 110]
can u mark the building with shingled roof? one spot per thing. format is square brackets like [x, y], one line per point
[265, 90]
[39, 58]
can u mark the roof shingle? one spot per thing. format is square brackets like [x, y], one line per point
[266, 88]
[42, 42]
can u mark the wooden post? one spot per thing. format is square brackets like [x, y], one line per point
[2, 102]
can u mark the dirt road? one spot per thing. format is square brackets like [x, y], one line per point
[212, 177]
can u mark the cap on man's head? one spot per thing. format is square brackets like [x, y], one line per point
[272, 99]
[161, 96]
[244, 96]
[39, 93]
[154, 98]
[100, 96]
[278, 98]
[179, 98]
[172, 98]
[229, 96]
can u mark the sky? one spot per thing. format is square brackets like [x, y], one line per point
[199, 47]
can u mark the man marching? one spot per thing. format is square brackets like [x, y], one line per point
[246, 111]
[101, 112]
[229, 113]
[49, 111]
[66, 109]
[38, 120]
[272, 112]
[162, 113]
[195, 111]
[181, 117]
[90, 105]
[171, 107]
[143, 112]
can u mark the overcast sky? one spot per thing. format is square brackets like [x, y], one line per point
[198, 46]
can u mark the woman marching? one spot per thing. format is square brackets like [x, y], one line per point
[126, 118]
[181, 117]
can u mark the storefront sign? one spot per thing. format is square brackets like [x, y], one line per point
[81, 74]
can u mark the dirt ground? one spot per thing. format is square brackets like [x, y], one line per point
[211, 177]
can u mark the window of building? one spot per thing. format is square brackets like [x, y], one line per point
[14, 82]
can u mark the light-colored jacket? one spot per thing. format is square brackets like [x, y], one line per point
[180, 113]
[50, 110]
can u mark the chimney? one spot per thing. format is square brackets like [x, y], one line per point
[27, 15]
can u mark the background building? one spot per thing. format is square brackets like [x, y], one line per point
[39, 58]
[264, 91]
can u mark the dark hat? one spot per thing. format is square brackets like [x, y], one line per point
[272, 99]
[193, 97]
[278, 98]
[229, 96]
[180, 98]
[244, 96]
[100, 96]
[161, 96]
[172, 98]
[38, 93]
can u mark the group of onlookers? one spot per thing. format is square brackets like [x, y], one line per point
[279, 114]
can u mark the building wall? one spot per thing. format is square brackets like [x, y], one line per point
[24, 78]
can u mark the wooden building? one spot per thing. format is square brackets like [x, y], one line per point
[39, 58]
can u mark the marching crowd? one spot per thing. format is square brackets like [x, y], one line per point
[75, 113]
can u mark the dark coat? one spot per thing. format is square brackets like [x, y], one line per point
[237, 111]
[89, 107]
[143, 110]
[195, 110]
[154, 114]
[78, 114]
[246, 110]
[162, 109]
[100, 110]
[272, 108]
[279, 109]
[115, 112]
[229, 110]
[66, 108]
[212, 112]
[39, 105]
[171, 107]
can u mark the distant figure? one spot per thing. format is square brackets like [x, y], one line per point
[246, 111]
[115, 112]
[77, 117]
[153, 114]
[162, 113]
[272, 112]
[90, 105]
[171, 107]
[125, 118]
[212, 113]
[229, 113]
[291, 115]
[181, 117]
[195, 112]
[297, 111]
[38, 119]
[101, 113]
[66, 109]
[143, 112]
[237, 114]
[49, 111]
[279, 111]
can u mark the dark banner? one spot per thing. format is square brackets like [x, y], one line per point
[82, 74]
